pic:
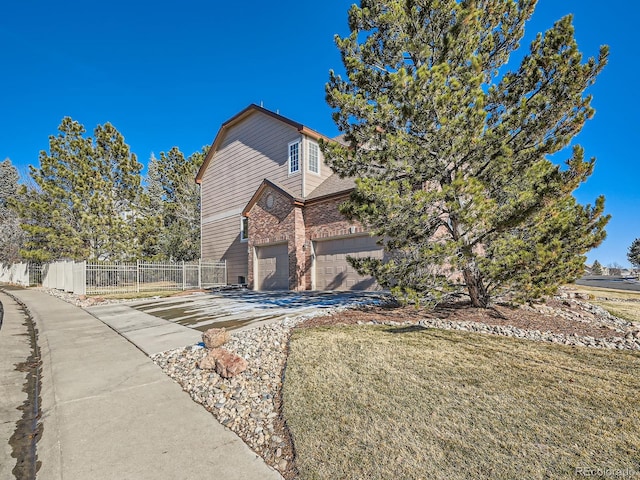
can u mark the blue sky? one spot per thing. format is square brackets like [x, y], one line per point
[169, 73]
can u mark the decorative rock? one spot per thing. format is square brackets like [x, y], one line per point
[208, 362]
[215, 337]
[227, 364]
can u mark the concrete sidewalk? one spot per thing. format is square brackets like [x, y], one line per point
[150, 334]
[110, 413]
[15, 348]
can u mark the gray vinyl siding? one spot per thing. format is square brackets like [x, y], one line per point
[221, 241]
[252, 150]
[313, 180]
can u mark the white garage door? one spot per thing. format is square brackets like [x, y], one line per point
[273, 267]
[333, 271]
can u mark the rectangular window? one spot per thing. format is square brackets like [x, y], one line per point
[244, 229]
[294, 157]
[314, 157]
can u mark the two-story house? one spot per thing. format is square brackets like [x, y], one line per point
[270, 208]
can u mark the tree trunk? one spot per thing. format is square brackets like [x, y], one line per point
[475, 288]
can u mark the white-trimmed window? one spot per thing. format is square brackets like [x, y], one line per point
[294, 157]
[314, 157]
[244, 229]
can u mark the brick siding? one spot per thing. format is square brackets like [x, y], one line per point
[297, 226]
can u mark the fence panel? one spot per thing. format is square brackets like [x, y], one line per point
[80, 278]
[35, 274]
[46, 269]
[156, 276]
[17, 273]
[50, 276]
[213, 274]
[191, 275]
[67, 271]
[104, 278]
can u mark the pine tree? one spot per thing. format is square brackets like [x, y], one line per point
[174, 193]
[596, 268]
[86, 204]
[633, 255]
[150, 229]
[8, 182]
[450, 148]
[11, 235]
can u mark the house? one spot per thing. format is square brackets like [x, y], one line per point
[270, 208]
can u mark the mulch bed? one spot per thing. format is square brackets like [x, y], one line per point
[498, 315]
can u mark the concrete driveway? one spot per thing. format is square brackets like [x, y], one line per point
[239, 309]
[160, 324]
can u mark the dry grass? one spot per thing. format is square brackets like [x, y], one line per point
[607, 292]
[383, 402]
[621, 303]
[627, 310]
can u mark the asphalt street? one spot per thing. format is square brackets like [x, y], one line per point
[617, 283]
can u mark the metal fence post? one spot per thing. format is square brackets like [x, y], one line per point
[184, 277]
[199, 273]
[137, 276]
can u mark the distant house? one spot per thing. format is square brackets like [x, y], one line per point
[270, 208]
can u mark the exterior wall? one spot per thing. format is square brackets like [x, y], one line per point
[282, 222]
[255, 148]
[297, 226]
[252, 150]
[221, 241]
[313, 180]
[323, 220]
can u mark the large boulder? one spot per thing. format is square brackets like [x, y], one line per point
[208, 362]
[225, 363]
[215, 337]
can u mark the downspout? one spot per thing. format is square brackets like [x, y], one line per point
[201, 226]
[303, 144]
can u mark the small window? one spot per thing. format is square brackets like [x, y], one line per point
[244, 229]
[294, 157]
[314, 157]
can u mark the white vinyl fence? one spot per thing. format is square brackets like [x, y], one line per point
[21, 273]
[15, 273]
[103, 278]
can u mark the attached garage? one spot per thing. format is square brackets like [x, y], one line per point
[333, 271]
[272, 264]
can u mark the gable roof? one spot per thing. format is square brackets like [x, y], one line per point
[258, 193]
[236, 119]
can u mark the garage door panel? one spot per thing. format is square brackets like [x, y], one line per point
[273, 267]
[333, 271]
